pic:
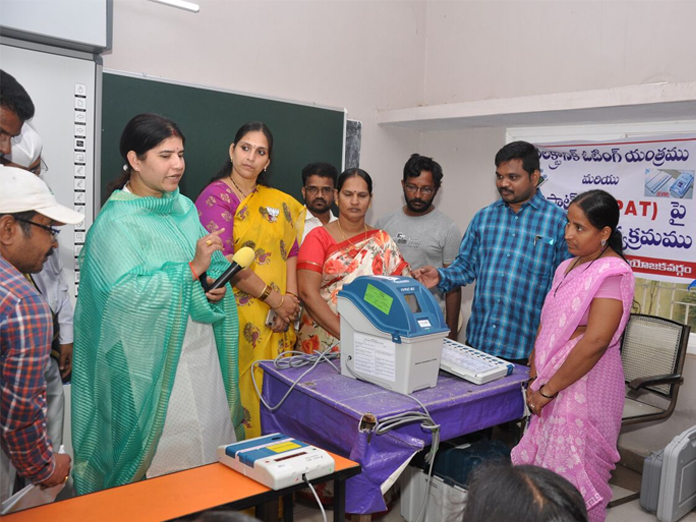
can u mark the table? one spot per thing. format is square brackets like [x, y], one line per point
[182, 493]
[329, 410]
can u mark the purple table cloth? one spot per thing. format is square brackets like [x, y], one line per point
[325, 409]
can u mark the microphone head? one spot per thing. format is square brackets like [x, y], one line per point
[244, 257]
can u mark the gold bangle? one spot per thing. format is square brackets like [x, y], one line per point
[266, 292]
[282, 300]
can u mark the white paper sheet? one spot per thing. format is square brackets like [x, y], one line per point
[375, 356]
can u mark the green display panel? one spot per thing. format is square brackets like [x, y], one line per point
[209, 120]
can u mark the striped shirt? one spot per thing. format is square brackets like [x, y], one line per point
[512, 257]
[25, 342]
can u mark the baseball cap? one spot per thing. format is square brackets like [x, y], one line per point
[26, 148]
[22, 191]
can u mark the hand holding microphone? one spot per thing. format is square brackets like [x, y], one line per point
[242, 259]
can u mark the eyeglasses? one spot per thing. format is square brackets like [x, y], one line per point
[413, 189]
[41, 167]
[313, 191]
[53, 231]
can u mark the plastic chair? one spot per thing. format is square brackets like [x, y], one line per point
[652, 352]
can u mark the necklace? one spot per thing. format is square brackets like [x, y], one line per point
[575, 264]
[344, 236]
[238, 189]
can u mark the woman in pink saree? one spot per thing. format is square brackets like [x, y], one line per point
[335, 254]
[576, 388]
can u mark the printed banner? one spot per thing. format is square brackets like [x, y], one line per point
[653, 181]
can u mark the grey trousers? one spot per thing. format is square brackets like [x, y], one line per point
[55, 402]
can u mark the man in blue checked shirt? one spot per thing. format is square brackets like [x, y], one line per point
[511, 249]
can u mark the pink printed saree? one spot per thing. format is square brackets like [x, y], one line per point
[576, 433]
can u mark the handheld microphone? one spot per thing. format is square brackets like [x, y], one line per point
[241, 260]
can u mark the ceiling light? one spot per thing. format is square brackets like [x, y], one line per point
[181, 4]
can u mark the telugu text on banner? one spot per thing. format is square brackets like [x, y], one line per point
[653, 181]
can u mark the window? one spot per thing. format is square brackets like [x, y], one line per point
[669, 300]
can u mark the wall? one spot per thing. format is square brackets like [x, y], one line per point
[479, 50]
[358, 55]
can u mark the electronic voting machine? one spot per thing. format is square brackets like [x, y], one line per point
[276, 461]
[392, 331]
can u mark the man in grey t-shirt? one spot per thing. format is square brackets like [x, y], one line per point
[424, 235]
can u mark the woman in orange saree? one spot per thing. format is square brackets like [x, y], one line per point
[334, 255]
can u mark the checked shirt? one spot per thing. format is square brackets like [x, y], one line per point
[26, 328]
[512, 257]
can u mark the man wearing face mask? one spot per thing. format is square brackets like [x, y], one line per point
[318, 183]
[424, 235]
[511, 249]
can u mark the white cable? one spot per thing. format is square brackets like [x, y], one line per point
[300, 359]
[297, 360]
[427, 423]
[323, 513]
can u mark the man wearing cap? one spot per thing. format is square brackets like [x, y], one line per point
[26, 154]
[16, 107]
[28, 215]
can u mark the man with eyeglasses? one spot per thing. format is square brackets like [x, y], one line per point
[318, 184]
[26, 154]
[424, 235]
[16, 107]
[511, 249]
[29, 214]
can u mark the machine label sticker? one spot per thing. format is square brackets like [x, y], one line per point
[378, 299]
[374, 356]
[283, 446]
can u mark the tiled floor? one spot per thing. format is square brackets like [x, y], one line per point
[630, 512]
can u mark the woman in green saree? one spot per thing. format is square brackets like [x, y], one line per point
[155, 375]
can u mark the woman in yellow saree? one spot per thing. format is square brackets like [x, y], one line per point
[270, 222]
[335, 254]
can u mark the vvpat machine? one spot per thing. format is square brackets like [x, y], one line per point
[392, 331]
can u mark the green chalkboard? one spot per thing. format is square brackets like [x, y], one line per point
[209, 120]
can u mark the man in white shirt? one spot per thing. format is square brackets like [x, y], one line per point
[318, 183]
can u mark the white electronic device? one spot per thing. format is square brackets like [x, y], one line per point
[391, 333]
[276, 461]
[471, 364]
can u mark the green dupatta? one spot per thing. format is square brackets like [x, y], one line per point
[136, 295]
